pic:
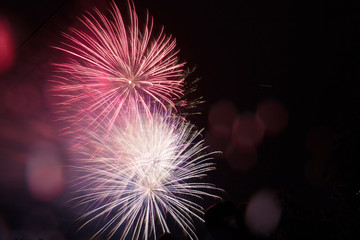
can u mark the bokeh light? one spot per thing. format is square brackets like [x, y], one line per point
[7, 54]
[273, 116]
[221, 118]
[247, 132]
[263, 213]
[44, 173]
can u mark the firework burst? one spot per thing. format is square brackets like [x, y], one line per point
[113, 67]
[144, 173]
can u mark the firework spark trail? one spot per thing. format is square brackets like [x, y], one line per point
[147, 169]
[142, 164]
[112, 66]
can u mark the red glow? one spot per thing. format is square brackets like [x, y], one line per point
[7, 55]
[273, 116]
[45, 182]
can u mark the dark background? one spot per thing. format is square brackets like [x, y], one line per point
[303, 54]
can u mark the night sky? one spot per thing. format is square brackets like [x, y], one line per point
[293, 63]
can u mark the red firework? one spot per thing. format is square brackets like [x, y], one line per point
[114, 67]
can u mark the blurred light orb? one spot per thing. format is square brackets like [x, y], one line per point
[221, 118]
[263, 213]
[7, 53]
[273, 116]
[247, 133]
[44, 173]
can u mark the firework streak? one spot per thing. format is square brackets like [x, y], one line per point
[111, 67]
[141, 165]
[144, 169]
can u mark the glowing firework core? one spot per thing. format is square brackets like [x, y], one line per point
[148, 168]
[142, 163]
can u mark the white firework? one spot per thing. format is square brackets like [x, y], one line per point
[144, 171]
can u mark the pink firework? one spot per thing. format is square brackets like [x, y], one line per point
[114, 67]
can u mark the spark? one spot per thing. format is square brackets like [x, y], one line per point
[113, 66]
[145, 171]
